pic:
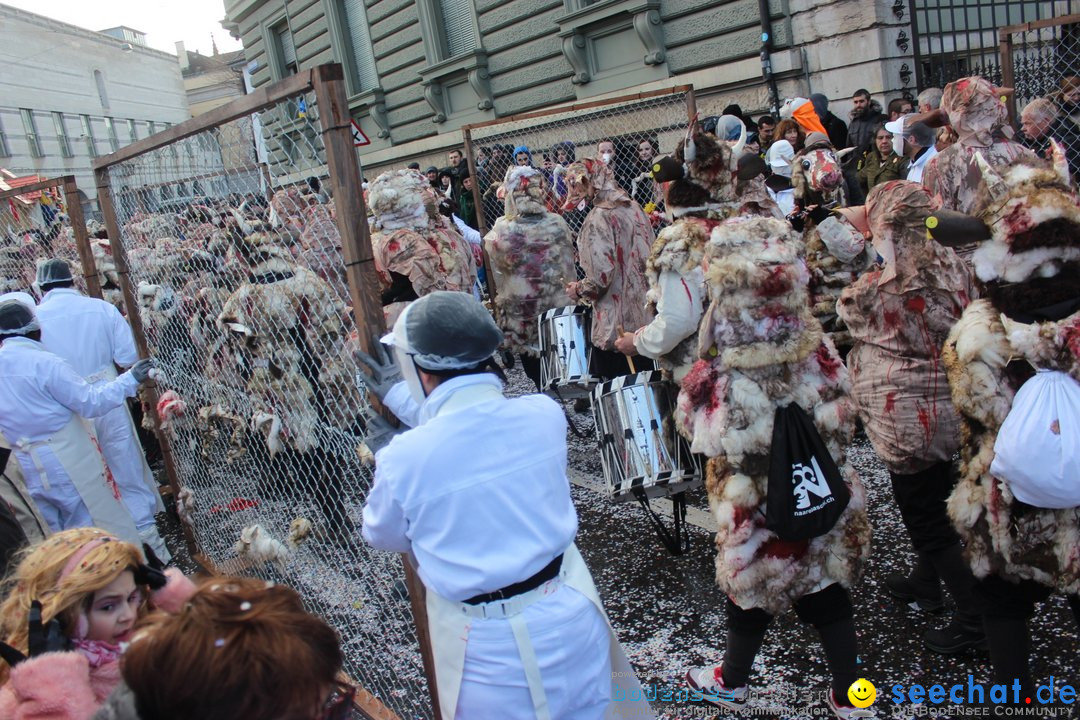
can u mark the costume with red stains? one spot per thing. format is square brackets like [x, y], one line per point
[613, 243]
[899, 314]
[760, 349]
[1029, 319]
[835, 250]
[417, 250]
[699, 198]
[532, 258]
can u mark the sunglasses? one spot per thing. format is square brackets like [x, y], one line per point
[339, 704]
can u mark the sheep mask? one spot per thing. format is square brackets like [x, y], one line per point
[703, 173]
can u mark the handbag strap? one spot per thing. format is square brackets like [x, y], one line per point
[676, 540]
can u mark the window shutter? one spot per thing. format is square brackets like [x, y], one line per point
[458, 26]
[359, 37]
[288, 52]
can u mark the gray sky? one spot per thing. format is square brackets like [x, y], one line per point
[163, 21]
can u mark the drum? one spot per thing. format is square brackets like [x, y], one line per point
[565, 352]
[639, 445]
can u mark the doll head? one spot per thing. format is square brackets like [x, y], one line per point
[74, 574]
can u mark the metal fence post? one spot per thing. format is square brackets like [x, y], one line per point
[82, 239]
[150, 392]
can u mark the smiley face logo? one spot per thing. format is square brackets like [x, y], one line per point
[862, 693]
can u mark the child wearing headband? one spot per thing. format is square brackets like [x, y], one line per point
[71, 605]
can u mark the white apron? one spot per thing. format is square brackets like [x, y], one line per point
[449, 621]
[75, 448]
[122, 414]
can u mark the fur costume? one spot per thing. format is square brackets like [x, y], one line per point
[532, 259]
[981, 122]
[818, 180]
[612, 244]
[761, 349]
[699, 198]
[899, 314]
[1029, 263]
[411, 239]
[292, 328]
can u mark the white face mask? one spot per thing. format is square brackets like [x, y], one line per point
[898, 144]
[409, 375]
[606, 157]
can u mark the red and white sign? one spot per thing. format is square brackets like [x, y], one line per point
[358, 136]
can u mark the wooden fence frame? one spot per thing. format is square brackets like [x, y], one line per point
[335, 121]
[75, 217]
[1005, 50]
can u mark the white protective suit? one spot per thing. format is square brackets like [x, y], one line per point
[41, 401]
[478, 493]
[94, 338]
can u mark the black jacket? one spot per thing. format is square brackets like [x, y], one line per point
[836, 129]
[861, 127]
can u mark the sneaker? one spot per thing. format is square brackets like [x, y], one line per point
[954, 638]
[709, 681]
[918, 594]
[844, 711]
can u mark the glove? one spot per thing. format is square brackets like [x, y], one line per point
[152, 572]
[379, 433]
[141, 370]
[384, 372]
[40, 638]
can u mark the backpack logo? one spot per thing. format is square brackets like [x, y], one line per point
[807, 480]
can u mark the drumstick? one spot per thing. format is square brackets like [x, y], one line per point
[629, 360]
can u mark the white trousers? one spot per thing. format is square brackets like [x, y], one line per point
[571, 641]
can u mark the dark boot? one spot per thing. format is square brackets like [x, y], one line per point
[921, 589]
[965, 630]
[1010, 649]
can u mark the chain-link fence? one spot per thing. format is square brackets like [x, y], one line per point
[631, 131]
[244, 237]
[41, 219]
[1042, 60]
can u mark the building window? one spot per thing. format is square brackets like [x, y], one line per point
[110, 128]
[354, 38]
[88, 135]
[30, 130]
[151, 127]
[282, 51]
[5, 151]
[61, 135]
[448, 28]
[459, 26]
[103, 95]
[133, 131]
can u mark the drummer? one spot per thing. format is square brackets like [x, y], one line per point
[700, 199]
[516, 623]
[613, 243]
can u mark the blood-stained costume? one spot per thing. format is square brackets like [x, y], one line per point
[532, 259]
[613, 244]
[1027, 321]
[760, 349]
[417, 250]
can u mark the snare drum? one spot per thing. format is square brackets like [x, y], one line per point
[639, 445]
[565, 351]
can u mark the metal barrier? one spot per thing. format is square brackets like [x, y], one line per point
[250, 269]
[1035, 57]
[639, 126]
[44, 219]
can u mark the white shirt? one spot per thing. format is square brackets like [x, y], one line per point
[785, 199]
[478, 491]
[467, 232]
[678, 315]
[90, 334]
[39, 391]
[918, 165]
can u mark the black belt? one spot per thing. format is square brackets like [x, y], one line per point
[542, 576]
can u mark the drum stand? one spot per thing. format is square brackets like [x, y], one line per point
[676, 540]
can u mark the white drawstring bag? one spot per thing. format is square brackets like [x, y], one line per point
[1037, 450]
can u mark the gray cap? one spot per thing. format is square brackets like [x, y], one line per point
[53, 270]
[446, 331]
[16, 318]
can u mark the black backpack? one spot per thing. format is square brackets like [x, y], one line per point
[807, 494]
